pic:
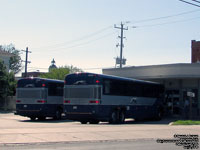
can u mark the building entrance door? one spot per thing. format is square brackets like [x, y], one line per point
[173, 102]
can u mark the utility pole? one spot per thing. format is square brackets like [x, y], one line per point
[121, 45]
[26, 61]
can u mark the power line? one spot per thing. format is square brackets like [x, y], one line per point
[165, 17]
[165, 23]
[196, 1]
[36, 68]
[56, 46]
[189, 3]
[97, 68]
[81, 44]
[76, 40]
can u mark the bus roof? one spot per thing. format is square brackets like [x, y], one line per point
[44, 79]
[112, 77]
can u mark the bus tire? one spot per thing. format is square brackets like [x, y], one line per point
[84, 122]
[32, 118]
[94, 122]
[41, 118]
[121, 117]
[113, 117]
[159, 115]
[58, 114]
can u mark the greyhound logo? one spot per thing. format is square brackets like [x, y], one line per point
[133, 100]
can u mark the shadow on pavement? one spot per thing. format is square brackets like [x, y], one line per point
[164, 121]
[5, 112]
[48, 120]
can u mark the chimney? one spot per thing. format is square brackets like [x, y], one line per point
[195, 50]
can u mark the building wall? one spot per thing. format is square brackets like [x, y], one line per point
[177, 78]
[182, 70]
[190, 83]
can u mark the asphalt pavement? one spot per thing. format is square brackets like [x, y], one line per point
[21, 133]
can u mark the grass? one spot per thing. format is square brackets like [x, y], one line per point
[186, 122]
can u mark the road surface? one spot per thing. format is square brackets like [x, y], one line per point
[19, 132]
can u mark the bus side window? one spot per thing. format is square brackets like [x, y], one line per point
[55, 89]
[149, 91]
[106, 87]
[59, 90]
[51, 89]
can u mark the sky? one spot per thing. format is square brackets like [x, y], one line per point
[81, 32]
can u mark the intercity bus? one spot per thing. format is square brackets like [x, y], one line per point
[39, 98]
[92, 98]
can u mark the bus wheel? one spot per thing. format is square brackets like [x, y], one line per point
[94, 122]
[84, 122]
[58, 114]
[158, 115]
[32, 118]
[121, 117]
[113, 118]
[41, 118]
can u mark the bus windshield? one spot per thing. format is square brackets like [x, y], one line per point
[29, 83]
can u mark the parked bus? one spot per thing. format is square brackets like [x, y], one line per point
[92, 98]
[39, 98]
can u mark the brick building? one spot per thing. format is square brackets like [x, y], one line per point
[195, 52]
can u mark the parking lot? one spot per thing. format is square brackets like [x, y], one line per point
[21, 130]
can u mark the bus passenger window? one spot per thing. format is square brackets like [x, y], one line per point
[106, 87]
[55, 89]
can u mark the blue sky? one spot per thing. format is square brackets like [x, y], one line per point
[81, 32]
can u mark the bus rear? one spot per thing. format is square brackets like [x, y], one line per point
[39, 98]
[82, 97]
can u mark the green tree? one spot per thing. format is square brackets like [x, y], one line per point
[73, 69]
[3, 81]
[56, 73]
[15, 60]
[7, 82]
[60, 73]
[12, 84]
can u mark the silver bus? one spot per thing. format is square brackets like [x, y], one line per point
[39, 98]
[92, 98]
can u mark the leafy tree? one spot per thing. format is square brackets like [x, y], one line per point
[12, 83]
[3, 81]
[73, 69]
[7, 82]
[15, 60]
[60, 73]
[56, 73]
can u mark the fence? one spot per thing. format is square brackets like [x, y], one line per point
[8, 104]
